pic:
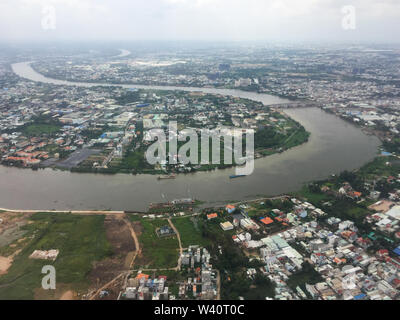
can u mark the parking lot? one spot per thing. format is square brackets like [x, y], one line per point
[76, 158]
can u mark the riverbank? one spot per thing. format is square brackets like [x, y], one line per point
[314, 196]
[333, 146]
[271, 137]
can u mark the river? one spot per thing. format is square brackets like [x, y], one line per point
[334, 146]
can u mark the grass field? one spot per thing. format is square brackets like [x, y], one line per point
[315, 198]
[157, 252]
[357, 212]
[190, 231]
[81, 241]
[40, 129]
[378, 167]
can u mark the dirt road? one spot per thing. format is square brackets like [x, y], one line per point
[178, 235]
[125, 273]
[135, 238]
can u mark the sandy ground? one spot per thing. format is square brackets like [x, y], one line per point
[68, 295]
[382, 206]
[5, 264]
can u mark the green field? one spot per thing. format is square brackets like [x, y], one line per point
[378, 168]
[81, 241]
[40, 129]
[190, 229]
[312, 197]
[157, 252]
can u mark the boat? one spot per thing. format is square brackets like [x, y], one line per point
[172, 176]
[237, 176]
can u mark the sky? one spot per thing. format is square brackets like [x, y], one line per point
[200, 20]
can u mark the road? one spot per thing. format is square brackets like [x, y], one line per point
[65, 211]
[218, 285]
[127, 272]
[257, 200]
[135, 238]
[178, 235]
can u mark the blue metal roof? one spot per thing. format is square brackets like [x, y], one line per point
[397, 251]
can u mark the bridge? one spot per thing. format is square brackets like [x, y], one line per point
[292, 105]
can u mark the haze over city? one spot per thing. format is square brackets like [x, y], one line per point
[211, 20]
[199, 153]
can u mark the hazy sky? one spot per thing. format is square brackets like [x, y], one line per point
[273, 20]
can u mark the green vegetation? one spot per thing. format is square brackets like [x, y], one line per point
[233, 264]
[378, 167]
[40, 129]
[128, 98]
[157, 252]
[279, 137]
[268, 140]
[135, 160]
[190, 231]
[392, 146]
[250, 289]
[258, 210]
[41, 126]
[81, 241]
[307, 275]
[234, 280]
[312, 195]
[297, 138]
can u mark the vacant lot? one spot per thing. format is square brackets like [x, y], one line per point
[76, 158]
[123, 248]
[312, 197]
[156, 252]
[190, 231]
[81, 240]
[11, 229]
[40, 129]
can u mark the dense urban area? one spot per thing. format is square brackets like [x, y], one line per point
[334, 239]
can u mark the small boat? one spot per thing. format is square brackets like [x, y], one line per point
[237, 176]
[172, 176]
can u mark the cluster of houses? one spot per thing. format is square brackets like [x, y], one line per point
[200, 283]
[203, 284]
[66, 115]
[386, 217]
[143, 287]
[340, 257]
[24, 151]
[347, 267]
[275, 220]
